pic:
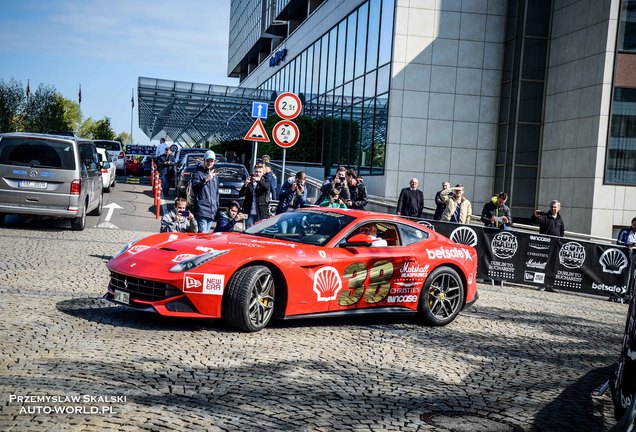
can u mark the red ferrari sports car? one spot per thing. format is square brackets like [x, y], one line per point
[315, 262]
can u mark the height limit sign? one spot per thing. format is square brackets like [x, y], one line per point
[286, 133]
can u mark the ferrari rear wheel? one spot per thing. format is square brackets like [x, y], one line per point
[442, 296]
[249, 300]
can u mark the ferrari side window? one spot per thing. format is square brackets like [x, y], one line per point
[411, 235]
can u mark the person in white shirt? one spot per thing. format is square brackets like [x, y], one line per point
[372, 231]
[161, 148]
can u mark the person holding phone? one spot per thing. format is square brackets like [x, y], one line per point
[179, 219]
[496, 213]
[227, 219]
[205, 189]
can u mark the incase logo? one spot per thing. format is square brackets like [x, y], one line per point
[402, 299]
[541, 239]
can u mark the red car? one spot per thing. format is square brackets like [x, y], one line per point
[315, 262]
[133, 167]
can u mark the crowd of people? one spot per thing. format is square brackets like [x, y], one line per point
[345, 189]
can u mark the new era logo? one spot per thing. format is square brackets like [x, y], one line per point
[192, 283]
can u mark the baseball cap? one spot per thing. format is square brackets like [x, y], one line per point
[209, 155]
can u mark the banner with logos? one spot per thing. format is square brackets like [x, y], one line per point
[542, 260]
[624, 383]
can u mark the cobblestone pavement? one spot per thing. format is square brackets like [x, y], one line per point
[519, 359]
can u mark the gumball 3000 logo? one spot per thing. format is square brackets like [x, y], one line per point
[572, 255]
[504, 245]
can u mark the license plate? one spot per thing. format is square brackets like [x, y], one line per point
[30, 184]
[122, 297]
[225, 191]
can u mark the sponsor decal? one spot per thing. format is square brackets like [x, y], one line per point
[401, 299]
[537, 254]
[327, 284]
[539, 246]
[204, 249]
[414, 271]
[504, 245]
[252, 245]
[405, 290]
[540, 238]
[136, 249]
[572, 255]
[301, 253]
[405, 284]
[445, 253]
[499, 269]
[568, 279]
[322, 254]
[203, 283]
[536, 277]
[613, 261]
[464, 235]
[536, 264]
[274, 243]
[427, 225]
[182, 257]
[611, 288]
[172, 237]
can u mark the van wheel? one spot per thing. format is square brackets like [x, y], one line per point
[79, 223]
[98, 210]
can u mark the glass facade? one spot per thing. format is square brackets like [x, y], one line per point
[343, 79]
[621, 152]
[627, 31]
[521, 108]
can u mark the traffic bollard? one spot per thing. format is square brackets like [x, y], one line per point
[157, 198]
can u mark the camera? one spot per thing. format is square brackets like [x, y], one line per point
[184, 213]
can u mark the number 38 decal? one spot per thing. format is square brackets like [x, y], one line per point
[373, 283]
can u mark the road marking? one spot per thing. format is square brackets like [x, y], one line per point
[111, 208]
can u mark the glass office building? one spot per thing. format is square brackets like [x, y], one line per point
[536, 98]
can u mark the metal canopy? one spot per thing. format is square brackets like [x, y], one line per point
[194, 112]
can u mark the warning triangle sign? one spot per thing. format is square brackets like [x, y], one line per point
[257, 132]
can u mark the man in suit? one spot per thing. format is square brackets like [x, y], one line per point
[411, 201]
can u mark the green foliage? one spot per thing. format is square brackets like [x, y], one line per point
[103, 130]
[307, 149]
[86, 128]
[123, 138]
[72, 113]
[43, 111]
[12, 97]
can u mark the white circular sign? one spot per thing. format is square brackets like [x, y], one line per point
[286, 133]
[288, 105]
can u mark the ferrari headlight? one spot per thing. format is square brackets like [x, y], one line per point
[124, 249]
[196, 261]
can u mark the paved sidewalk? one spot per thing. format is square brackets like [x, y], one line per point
[518, 360]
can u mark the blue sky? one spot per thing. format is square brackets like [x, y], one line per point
[105, 45]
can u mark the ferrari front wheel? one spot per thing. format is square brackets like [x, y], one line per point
[442, 297]
[249, 299]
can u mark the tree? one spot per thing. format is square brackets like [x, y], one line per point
[124, 138]
[71, 112]
[12, 97]
[103, 129]
[86, 128]
[44, 110]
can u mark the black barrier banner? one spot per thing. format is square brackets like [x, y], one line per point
[624, 383]
[542, 260]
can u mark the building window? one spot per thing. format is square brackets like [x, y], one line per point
[627, 32]
[621, 151]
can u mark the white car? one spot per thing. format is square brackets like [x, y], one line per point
[116, 153]
[109, 170]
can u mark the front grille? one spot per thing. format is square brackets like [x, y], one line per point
[142, 289]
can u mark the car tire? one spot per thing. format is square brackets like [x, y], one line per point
[97, 211]
[249, 299]
[79, 223]
[114, 181]
[106, 189]
[442, 297]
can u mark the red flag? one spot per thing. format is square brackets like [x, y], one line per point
[28, 90]
[79, 95]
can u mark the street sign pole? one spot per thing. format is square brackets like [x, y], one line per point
[283, 178]
[254, 153]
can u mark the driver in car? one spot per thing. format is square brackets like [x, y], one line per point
[372, 231]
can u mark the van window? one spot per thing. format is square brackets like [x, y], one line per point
[88, 155]
[37, 153]
[108, 145]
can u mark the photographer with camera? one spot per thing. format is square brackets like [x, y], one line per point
[337, 182]
[256, 193]
[179, 219]
[293, 193]
[227, 219]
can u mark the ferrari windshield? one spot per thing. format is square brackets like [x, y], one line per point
[311, 227]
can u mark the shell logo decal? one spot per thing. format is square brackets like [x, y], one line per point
[613, 261]
[464, 235]
[327, 284]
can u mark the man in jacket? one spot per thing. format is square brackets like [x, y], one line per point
[411, 200]
[271, 178]
[457, 208]
[439, 203]
[550, 222]
[205, 187]
[337, 182]
[496, 213]
[165, 163]
[179, 219]
[627, 236]
[293, 194]
[256, 193]
[357, 191]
